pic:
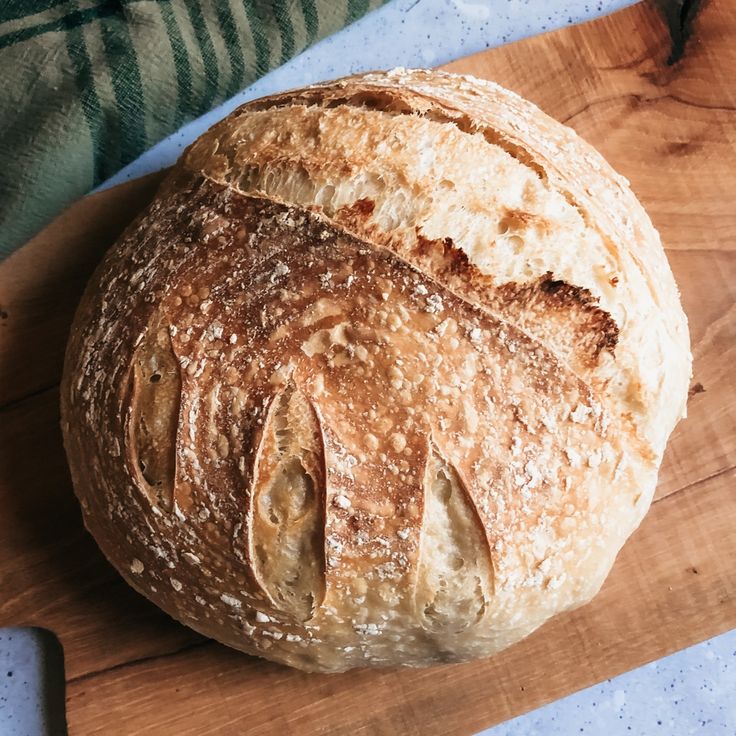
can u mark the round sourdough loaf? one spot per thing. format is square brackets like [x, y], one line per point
[383, 376]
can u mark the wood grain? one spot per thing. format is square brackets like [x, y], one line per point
[671, 129]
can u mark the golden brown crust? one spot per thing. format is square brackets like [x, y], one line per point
[336, 444]
[567, 318]
[624, 266]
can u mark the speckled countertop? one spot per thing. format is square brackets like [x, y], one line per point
[691, 692]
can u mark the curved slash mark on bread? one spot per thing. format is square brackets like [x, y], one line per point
[455, 570]
[439, 106]
[287, 508]
[574, 325]
[152, 424]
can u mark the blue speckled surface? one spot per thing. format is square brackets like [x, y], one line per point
[31, 684]
[691, 692]
[20, 660]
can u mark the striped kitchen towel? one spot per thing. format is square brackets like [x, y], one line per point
[88, 85]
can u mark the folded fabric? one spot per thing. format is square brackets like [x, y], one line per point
[88, 85]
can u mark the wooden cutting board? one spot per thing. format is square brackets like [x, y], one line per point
[669, 127]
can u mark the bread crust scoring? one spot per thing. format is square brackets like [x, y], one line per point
[332, 433]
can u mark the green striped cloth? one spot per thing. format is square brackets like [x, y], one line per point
[88, 85]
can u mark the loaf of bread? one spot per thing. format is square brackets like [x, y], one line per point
[383, 376]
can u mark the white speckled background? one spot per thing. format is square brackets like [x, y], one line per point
[691, 692]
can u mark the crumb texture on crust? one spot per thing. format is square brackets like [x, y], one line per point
[380, 378]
